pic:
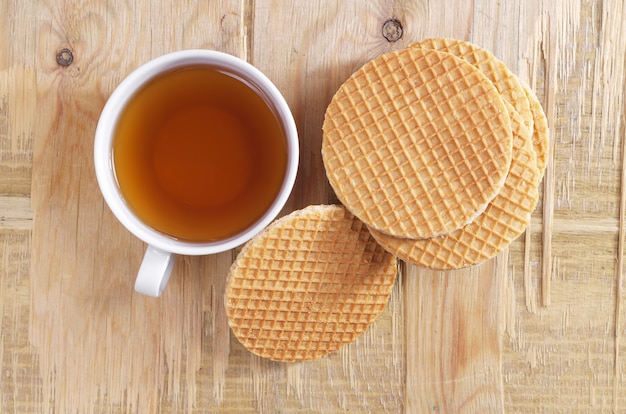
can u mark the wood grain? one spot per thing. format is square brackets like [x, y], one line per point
[122, 351]
[539, 329]
[455, 358]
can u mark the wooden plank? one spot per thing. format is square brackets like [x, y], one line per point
[20, 386]
[309, 49]
[454, 341]
[122, 351]
[20, 380]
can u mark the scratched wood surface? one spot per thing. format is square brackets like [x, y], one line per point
[539, 329]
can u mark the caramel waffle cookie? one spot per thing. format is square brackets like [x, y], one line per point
[308, 284]
[416, 143]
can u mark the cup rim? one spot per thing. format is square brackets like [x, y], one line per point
[128, 87]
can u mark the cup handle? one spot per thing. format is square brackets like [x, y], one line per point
[154, 272]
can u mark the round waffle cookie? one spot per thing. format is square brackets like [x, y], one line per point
[308, 284]
[509, 85]
[504, 220]
[416, 143]
[541, 133]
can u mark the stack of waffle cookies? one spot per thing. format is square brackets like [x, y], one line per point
[436, 153]
[440, 150]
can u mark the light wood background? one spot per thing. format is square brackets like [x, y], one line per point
[539, 329]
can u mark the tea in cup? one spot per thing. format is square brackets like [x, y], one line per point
[195, 152]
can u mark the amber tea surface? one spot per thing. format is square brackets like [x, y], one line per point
[199, 155]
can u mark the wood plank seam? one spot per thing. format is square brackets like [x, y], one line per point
[619, 281]
[549, 49]
[15, 213]
[619, 276]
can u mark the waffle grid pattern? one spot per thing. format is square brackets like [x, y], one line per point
[505, 218]
[509, 86]
[416, 143]
[308, 284]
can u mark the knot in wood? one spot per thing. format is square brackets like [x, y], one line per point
[392, 30]
[65, 57]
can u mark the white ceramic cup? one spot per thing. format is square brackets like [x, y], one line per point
[158, 260]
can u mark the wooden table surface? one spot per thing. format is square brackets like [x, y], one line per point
[538, 329]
